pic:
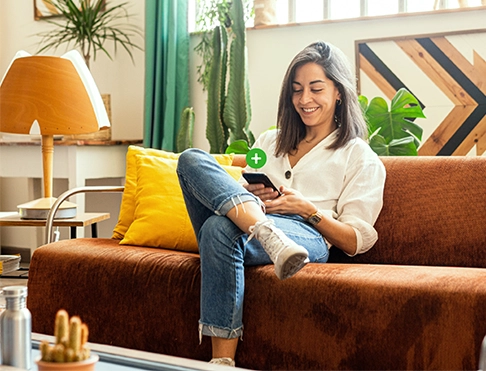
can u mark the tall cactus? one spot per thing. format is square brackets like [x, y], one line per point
[229, 110]
[186, 130]
[237, 108]
[216, 131]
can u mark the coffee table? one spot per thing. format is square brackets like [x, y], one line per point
[121, 359]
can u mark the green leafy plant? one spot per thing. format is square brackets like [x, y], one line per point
[226, 81]
[89, 25]
[391, 132]
[238, 147]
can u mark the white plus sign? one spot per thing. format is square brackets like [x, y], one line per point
[256, 158]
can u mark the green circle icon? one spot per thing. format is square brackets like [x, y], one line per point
[256, 158]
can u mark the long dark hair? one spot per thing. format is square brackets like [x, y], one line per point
[348, 114]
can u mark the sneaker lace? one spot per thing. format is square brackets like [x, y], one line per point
[269, 237]
[254, 229]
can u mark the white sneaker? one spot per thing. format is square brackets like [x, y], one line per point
[226, 361]
[288, 257]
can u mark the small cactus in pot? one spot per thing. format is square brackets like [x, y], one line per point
[71, 338]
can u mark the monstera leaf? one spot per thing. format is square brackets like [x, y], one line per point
[392, 132]
[396, 147]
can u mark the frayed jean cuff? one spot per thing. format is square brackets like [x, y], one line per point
[224, 333]
[227, 205]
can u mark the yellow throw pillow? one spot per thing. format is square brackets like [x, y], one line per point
[160, 217]
[127, 207]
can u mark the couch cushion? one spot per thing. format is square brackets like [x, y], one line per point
[127, 207]
[329, 316]
[160, 217]
[433, 213]
[128, 296]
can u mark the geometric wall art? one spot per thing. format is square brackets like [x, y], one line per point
[447, 75]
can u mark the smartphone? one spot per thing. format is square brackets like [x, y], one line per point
[256, 178]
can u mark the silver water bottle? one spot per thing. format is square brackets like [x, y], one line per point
[16, 329]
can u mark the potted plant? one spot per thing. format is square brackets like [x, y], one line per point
[70, 352]
[392, 132]
[224, 74]
[89, 26]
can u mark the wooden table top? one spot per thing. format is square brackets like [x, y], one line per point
[81, 220]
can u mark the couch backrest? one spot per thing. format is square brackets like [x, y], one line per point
[434, 213]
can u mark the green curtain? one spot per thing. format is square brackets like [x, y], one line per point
[166, 71]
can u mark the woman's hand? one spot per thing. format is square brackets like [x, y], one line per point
[291, 202]
[262, 192]
[336, 233]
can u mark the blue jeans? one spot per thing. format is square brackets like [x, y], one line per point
[209, 193]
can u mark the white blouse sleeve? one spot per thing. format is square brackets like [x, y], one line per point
[362, 199]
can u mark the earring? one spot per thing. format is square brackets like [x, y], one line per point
[338, 124]
[338, 102]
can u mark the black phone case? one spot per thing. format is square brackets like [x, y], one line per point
[255, 178]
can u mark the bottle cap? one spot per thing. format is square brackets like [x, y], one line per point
[14, 291]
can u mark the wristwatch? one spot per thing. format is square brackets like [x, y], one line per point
[315, 218]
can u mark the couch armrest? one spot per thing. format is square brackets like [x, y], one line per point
[63, 197]
[239, 160]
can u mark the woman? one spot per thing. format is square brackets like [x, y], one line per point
[331, 181]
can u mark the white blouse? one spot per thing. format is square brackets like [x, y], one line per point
[346, 183]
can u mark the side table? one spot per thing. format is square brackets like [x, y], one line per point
[12, 219]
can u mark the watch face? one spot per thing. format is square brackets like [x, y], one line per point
[314, 219]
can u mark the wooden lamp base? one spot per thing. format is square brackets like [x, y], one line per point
[39, 209]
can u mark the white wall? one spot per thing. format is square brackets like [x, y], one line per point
[270, 51]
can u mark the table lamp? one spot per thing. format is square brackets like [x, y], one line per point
[60, 96]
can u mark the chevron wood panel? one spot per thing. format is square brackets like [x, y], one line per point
[445, 131]
[435, 72]
[480, 65]
[447, 74]
[377, 78]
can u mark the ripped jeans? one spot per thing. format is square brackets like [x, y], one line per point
[209, 193]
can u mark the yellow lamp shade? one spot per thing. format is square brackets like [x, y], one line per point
[59, 94]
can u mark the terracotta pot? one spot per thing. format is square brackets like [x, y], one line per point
[88, 365]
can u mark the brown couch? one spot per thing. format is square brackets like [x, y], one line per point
[416, 300]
